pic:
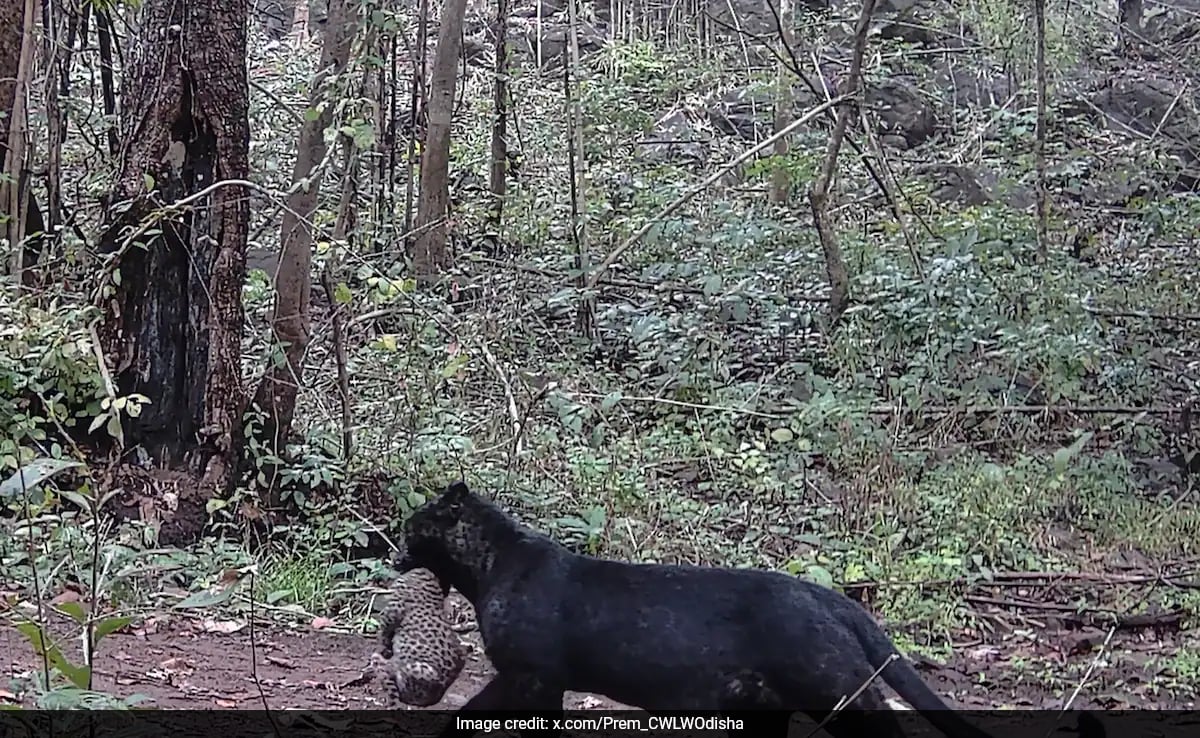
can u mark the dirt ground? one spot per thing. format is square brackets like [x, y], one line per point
[188, 663]
[184, 661]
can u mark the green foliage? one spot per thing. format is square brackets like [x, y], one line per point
[48, 378]
[710, 417]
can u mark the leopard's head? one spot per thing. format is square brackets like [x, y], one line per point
[448, 535]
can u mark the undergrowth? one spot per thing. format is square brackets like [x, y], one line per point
[977, 413]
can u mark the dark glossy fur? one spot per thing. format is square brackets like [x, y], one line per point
[658, 637]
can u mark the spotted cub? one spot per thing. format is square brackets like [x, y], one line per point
[420, 655]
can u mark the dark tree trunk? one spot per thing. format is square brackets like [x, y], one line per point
[24, 232]
[104, 36]
[173, 318]
[498, 183]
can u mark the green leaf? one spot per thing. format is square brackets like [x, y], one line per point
[81, 501]
[205, 598]
[78, 675]
[342, 294]
[820, 575]
[97, 422]
[108, 626]
[782, 435]
[279, 594]
[363, 135]
[610, 401]
[33, 474]
[148, 181]
[1063, 456]
[33, 633]
[452, 367]
[74, 610]
[113, 427]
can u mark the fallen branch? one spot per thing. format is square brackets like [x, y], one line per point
[1145, 314]
[680, 403]
[1094, 617]
[1091, 668]
[1009, 579]
[1021, 409]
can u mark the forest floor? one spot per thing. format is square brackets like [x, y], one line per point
[183, 661]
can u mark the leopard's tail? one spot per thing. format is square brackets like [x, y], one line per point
[902, 677]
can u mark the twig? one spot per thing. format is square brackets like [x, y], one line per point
[533, 401]
[513, 414]
[841, 705]
[283, 104]
[666, 286]
[680, 403]
[1147, 314]
[377, 528]
[1086, 675]
[1024, 409]
[262, 694]
[109, 386]
[680, 201]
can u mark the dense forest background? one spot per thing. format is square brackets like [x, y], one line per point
[896, 295]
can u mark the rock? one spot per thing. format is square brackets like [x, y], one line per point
[920, 22]
[902, 110]
[744, 112]
[676, 136]
[953, 183]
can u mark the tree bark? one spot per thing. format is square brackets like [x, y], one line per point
[17, 18]
[1129, 22]
[818, 198]
[171, 290]
[498, 184]
[104, 37]
[1039, 136]
[276, 394]
[781, 181]
[430, 254]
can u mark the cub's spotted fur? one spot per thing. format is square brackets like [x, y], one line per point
[420, 655]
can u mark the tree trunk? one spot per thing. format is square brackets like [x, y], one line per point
[498, 183]
[781, 181]
[299, 30]
[418, 100]
[17, 43]
[818, 197]
[104, 37]
[171, 290]
[276, 394]
[1129, 22]
[1042, 205]
[430, 255]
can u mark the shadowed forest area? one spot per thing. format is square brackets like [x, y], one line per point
[899, 296]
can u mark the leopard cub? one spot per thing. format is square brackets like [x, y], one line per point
[420, 654]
